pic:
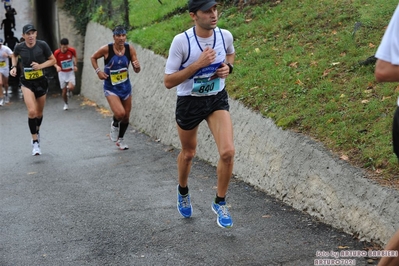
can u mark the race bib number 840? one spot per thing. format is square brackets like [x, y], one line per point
[204, 86]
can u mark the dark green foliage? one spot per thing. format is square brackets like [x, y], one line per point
[80, 10]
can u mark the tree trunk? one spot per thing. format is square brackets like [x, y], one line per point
[126, 18]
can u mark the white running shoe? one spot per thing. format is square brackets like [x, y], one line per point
[36, 148]
[114, 133]
[121, 144]
[1, 101]
[6, 99]
[65, 106]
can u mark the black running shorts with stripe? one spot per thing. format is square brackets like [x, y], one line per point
[191, 110]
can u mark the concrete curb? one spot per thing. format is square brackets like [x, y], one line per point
[286, 165]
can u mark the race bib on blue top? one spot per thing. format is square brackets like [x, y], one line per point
[119, 76]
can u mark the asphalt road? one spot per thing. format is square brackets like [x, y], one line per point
[85, 202]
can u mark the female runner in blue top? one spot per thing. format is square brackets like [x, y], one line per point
[117, 86]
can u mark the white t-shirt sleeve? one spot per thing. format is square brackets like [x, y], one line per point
[389, 46]
[228, 41]
[9, 51]
[176, 53]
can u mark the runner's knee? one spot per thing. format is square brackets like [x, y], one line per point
[32, 113]
[187, 154]
[119, 114]
[227, 155]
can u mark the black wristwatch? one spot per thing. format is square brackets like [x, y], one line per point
[12, 67]
[231, 67]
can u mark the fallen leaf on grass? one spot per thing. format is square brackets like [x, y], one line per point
[326, 72]
[385, 98]
[344, 157]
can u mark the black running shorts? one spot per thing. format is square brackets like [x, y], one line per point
[38, 86]
[395, 132]
[191, 110]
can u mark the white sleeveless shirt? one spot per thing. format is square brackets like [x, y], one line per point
[186, 49]
[388, 49]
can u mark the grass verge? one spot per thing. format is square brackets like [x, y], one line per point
[300, 63]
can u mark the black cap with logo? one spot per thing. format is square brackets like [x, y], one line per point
[27, 28]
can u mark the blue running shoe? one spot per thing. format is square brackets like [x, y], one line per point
[224, 219]
[184, 204]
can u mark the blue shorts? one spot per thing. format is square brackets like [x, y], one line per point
[123, 90]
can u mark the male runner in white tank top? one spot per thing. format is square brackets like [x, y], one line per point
[200, 59]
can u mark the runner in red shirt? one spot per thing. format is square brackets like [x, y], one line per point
[66, 67]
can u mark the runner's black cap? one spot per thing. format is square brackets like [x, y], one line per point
[27, 28]
[203, 5]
